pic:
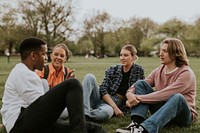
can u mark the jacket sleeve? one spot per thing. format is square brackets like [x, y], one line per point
[107, 82]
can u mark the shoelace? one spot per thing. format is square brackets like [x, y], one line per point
[138, 130]
[132, 126]
[132, 129]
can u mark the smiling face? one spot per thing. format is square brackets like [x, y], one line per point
[164, 55]
[126, 58]
[58, 57]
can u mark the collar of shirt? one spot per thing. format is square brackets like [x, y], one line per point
[52, 78]
[52, 69]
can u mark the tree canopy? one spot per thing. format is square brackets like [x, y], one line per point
[53, 21]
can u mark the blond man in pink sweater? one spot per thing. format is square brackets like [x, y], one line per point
[168, 93]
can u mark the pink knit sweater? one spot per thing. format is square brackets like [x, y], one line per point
[181, 81]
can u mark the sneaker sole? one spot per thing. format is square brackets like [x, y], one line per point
[122, 131]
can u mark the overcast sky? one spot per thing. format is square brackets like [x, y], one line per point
[158, 10]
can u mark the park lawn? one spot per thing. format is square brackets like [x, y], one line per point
[98, 67]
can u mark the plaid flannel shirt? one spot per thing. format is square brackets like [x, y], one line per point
[113, 78]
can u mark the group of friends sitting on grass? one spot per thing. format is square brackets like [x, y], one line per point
[50, 99]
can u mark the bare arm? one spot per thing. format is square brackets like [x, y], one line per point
[109, 100]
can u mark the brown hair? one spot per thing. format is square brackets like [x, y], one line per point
[177, 51]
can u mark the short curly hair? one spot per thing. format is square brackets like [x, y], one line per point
[30, 44]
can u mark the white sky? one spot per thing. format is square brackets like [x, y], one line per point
[158, 10]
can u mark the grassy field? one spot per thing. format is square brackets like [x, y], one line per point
[97, 67]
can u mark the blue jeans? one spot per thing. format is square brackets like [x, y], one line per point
[94, 106]
[175, 110]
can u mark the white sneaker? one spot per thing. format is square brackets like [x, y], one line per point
[129, 129]
[138, 130]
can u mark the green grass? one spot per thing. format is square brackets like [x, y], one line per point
[98, 67]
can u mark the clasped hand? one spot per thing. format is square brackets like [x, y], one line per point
[132, 100]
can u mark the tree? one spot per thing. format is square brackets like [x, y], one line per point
[95, 29]
[8, 26]
[141, 28]
[149, 46]
[192, 38]
[173, 28]
[116, 40]
[12, 32]
[83, 46]
[49, 19]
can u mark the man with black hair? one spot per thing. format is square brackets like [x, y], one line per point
[27, 108]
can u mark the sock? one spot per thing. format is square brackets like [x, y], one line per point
[137, 119]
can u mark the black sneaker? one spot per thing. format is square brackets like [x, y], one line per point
[129, 129]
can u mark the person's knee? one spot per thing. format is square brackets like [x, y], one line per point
[140, 85]
[143, 87]
[102, 113]
[177, 96]
[89, 77]
[89, 82]
[109, 113]
[73, 83]
[106, 114]
[178, 99]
